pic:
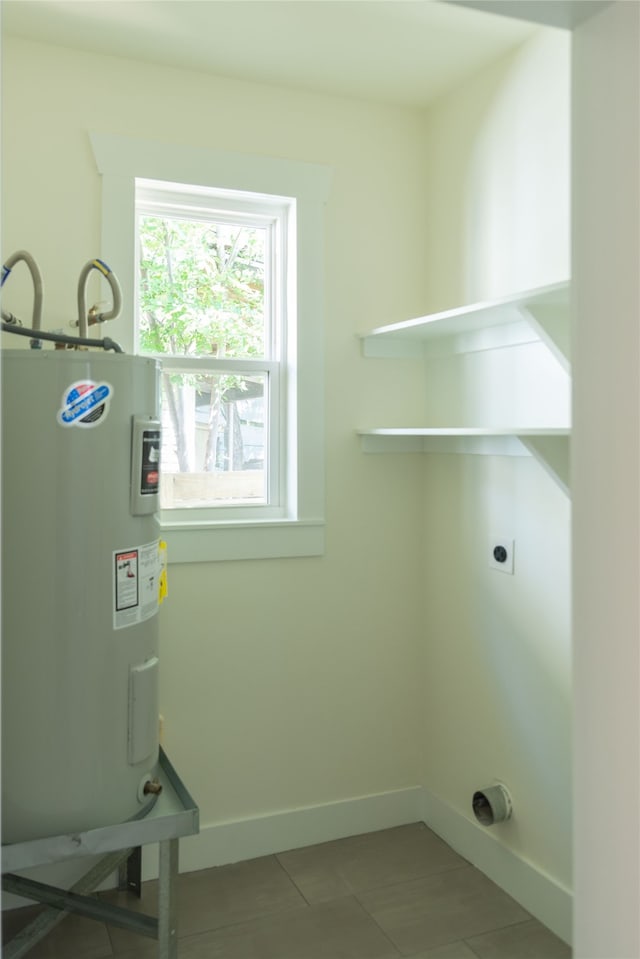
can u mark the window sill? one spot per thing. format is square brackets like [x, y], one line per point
[268, 539]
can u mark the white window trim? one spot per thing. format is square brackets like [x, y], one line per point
[122, 160]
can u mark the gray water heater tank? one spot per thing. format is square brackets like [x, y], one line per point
[81, 572]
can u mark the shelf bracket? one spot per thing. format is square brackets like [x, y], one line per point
[552, 453]
[549, 322]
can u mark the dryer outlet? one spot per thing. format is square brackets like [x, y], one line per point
[501, 554]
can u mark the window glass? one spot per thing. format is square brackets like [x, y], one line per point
[214, 443]
[201, 287]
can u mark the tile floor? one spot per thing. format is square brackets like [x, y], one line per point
[397, 893]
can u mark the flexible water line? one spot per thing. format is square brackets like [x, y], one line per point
[112, 280]
[38, 289]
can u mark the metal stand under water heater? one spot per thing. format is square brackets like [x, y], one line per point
[83, 576]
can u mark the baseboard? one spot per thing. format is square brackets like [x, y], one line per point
[220, 843]
[538, 893]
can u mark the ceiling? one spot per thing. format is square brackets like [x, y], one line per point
[392, 51]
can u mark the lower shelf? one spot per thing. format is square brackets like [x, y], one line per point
[550, 446]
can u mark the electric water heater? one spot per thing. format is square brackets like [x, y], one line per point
[82, 578]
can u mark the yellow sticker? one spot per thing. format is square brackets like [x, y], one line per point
[163, 589]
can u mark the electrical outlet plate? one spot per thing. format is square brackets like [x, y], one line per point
[499, 545]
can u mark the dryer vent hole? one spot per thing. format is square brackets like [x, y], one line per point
[491, 805]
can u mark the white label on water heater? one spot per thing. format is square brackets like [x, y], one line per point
[85, 403]
[136, 584]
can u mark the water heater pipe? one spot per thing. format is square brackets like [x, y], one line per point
[112, 280]
[38, 290]
[106, 343]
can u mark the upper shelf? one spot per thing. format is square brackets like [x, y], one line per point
[538, 315]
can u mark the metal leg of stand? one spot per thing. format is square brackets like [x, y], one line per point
[167, 906]
[27, 938]
[130, 873]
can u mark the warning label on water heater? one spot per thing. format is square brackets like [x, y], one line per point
[136, 576]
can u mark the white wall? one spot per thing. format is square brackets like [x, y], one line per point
[284, 683]
[606, 460]
[496, 679]
[499, 170]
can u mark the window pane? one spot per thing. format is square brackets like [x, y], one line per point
[213, 432]
[201, 287]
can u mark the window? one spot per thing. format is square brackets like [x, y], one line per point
[214, 295]
[222, 256]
